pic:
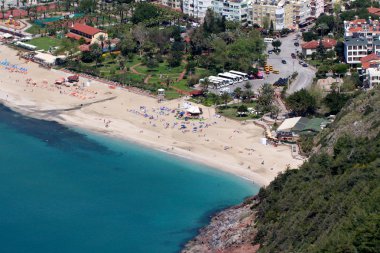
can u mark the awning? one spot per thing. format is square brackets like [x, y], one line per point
[193, 110]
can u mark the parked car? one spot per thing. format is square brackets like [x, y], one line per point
[304, 65]
[293, 55]
[270, 51]
[283, 62]
[281, 82]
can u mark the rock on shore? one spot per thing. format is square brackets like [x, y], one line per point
[230, 231]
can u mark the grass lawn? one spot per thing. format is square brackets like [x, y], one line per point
[44, 42]
[182, 85]
[171, 94]
[202, 72]
[35, 29]
[162, 68]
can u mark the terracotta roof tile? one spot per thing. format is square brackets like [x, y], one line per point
[77, 37]
[86, 29]
[327, 43]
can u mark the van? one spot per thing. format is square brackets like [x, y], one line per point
[268, 40]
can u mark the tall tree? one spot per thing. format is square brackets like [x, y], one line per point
[265, 99]
[302, 103]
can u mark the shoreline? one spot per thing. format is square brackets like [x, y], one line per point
[129, 140]
[218, 142]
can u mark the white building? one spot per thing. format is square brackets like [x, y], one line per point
[362, 28]
[280, 16]
[196, 8]
[175, 4]
[280, 12]
[355, 49]
[373, 76]
[317, 8]
[233, 10]
[301, 11]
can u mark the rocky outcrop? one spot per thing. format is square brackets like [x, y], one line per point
[229, 231]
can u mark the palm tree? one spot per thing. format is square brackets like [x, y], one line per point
[3, 12]
[102, 39]
[205, 84]
[247, 86]
[322, 27]
[238, 92]
[109, 44]
[225, 96]
[121, 61]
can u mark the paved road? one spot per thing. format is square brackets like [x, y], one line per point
[305, 74]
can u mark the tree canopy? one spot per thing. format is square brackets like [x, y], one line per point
[302, 103]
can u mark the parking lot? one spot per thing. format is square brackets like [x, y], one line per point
[305, 74]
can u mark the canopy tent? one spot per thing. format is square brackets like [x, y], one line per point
[46, 58]
[194, 110]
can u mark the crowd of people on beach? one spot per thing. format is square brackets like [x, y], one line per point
[159, 116]
[17, 75]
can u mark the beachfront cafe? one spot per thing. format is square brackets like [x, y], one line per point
[189, 111]
[292, 129]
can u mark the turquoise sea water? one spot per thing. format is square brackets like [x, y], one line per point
[65, 191]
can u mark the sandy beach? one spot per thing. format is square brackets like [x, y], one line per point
[219, 142]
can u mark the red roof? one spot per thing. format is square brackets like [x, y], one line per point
[89, 30]
[84, 48]
[77, 37]
[374, 11]
[358, 21]
[22, 13]
[196, 93]
[369, 60]
[327, 43]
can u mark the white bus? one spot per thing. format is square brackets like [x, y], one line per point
[244, 75]
[213, 82]
[223, 81]
[230, 76]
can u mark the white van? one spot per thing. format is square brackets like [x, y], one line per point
[268, 40]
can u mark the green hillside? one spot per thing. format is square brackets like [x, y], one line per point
[332, 203]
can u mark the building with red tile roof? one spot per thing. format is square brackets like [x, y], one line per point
[310, 47]
[90, 34]
[373, 11]
[370, 61]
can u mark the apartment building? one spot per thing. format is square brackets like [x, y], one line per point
[278, 12]
[373, 76]
[329, 6]
[362, 28]
[355, 49]
[283, 15]
[301, 11]
[317, 7]
[174, 4]
[233, 10]
[196, 8]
